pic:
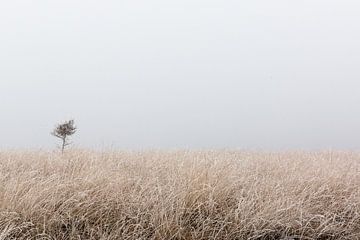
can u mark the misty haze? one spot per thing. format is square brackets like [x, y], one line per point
[187, 74]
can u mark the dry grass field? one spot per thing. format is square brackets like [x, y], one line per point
[179, 195]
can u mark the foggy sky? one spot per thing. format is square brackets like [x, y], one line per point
[143, 74]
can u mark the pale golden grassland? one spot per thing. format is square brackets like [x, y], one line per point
[179, 195]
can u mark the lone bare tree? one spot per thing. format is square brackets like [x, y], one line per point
[63, 131]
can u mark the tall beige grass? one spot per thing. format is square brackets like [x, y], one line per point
[179, 195]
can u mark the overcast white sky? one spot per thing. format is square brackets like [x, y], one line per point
[141, 74]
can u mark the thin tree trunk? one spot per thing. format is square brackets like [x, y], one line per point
[63, 145]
